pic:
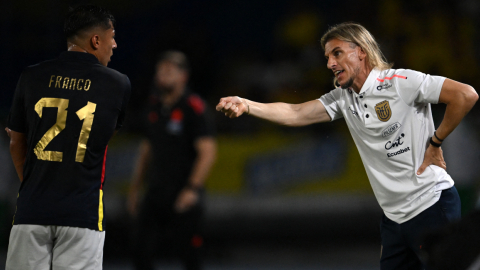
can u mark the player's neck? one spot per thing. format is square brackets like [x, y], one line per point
[72, 47]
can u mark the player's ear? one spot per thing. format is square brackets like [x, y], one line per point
[95, 41]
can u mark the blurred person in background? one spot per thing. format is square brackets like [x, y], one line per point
[389, 117]
[63, 115]
[174, 161]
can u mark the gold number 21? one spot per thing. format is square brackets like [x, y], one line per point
[85, 114]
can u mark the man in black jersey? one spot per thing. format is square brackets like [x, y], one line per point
[181, 148]
[64, 113]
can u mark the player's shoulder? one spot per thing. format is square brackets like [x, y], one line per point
[39, 67]
[30, 72]
[114, 79]
[111, 73]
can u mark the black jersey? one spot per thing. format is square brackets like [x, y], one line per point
[172, 133]
[68, 108]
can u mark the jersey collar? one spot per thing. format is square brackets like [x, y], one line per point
[79, 56]
[369, 81]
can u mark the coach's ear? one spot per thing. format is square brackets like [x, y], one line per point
[362, 55]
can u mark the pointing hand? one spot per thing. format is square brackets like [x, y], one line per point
[232, 106]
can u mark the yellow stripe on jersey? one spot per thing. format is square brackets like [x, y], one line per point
[100, 211]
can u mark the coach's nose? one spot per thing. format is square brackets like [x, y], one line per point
[331, 63]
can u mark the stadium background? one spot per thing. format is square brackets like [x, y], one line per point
[277, 197]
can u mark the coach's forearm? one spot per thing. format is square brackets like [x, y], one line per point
[289, 114]
[280, 113]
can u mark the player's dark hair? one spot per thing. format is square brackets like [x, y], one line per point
[85, 17]
[176, 57]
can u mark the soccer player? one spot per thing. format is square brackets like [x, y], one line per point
[389, 117]
[64, 113]
[175, 158]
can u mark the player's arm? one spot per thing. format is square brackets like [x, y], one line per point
[460, 99]
[281, 113]
[206, 148]
[18, 150]
[140, 170]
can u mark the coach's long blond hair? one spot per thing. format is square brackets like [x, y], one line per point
[358, 35]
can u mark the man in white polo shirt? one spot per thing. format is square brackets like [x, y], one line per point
[389, 117]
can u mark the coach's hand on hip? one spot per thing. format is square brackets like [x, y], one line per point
[433, 155]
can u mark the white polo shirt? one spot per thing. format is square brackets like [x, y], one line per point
[391, 123]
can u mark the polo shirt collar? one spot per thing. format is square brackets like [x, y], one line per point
[369, 81]
[79, 56]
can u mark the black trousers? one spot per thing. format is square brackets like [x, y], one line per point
[154, 221]
[402, 243]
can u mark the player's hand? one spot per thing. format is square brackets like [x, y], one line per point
[9, 131]
[186, 199]
[433, 155]
[232, 106]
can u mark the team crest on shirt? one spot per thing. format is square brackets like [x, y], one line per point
[383, 111]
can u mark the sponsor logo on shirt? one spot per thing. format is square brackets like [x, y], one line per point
[391, 129]
[399, 152]
[384, 86]
[392, 144]
[383, 111]
[389, 145]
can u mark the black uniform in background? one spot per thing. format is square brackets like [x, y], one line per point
[69, 109]
[172, 133]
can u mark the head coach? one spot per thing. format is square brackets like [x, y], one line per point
[389, 116]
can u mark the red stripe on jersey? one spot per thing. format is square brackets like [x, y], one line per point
[103, 168]
[389, 78]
